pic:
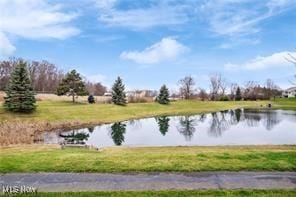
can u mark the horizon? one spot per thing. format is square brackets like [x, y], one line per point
[150, 43]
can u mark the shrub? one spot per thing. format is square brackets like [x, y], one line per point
[224, 98]
[91, 99]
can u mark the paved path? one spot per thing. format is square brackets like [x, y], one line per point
[150, 181]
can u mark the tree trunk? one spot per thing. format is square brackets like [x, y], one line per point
[73, 98]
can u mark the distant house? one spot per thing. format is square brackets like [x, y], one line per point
[108, 94]
[289, 93]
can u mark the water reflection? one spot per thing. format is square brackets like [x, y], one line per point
[219, 123]
[135, 123]
[91, 129]
[271, 120]
[163, 124]
[239, 126]
[187, 127]
[117, 131]
[74, 137]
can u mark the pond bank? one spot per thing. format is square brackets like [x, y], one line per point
[41, 158]
[53, 115]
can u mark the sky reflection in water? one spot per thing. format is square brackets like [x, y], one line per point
[230, 127]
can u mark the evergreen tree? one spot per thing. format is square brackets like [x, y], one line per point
[19, 94]
[238, 95]
[118, 94]
[72, 85]
[163, 123]
[117, 133]
[163, 96]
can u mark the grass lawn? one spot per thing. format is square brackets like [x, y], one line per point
[284, 103]
[228, 193]
[61, 111]
[16, 128]
[38, 158]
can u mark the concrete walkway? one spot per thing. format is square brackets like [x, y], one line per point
[53, 182]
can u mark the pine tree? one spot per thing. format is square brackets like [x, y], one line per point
[118, 94]
[163, 96]
[163, 124]
[19, 94]
[72, 85]
[117, 133]
[238, 95]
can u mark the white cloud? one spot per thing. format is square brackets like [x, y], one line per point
[35, 19]
[167, 49]
[241, 17]
[234, 42]
[264, 62]
[159, 14]
[105, 4]
[6, 48]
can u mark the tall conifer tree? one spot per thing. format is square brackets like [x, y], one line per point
[163, 96]
[19, 94]
[118, 94]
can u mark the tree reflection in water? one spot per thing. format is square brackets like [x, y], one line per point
[187, 127]
[163, 124]
[75, 137]
[136, 124]
[117, 131]
[252, 118]
[271, 120]
[218, 124]
[235, 116]
[90, 129]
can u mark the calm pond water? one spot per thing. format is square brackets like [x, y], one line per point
[231, 127]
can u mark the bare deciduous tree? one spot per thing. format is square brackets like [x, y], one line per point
[233, 89]
[202, 94]
[223, 86]
[271, 89]
[251, 90]
[215, 81]
[44, 76]
[187, 87]
[96, 89]
[218, 86]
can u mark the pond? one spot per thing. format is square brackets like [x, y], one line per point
[230, 127]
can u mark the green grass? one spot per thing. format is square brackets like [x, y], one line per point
[183, 159]
[172, 193]
[61, 111]
[286, 103]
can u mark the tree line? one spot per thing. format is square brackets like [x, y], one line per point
[44, 76]
[21, 79]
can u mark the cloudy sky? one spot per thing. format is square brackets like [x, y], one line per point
[152, 42]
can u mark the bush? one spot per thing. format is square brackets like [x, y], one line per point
[91, 99]
[224, 98]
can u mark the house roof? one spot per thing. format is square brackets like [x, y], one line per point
[290, 89]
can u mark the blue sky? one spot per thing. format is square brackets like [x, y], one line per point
[153, 42]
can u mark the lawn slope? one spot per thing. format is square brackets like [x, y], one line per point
[162, 159]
